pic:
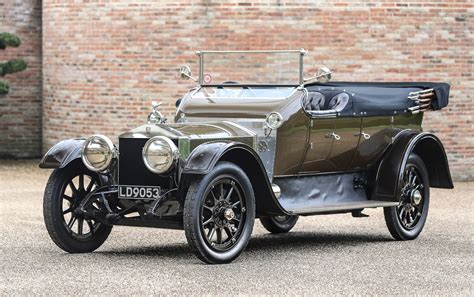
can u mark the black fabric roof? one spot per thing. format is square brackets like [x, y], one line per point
[376, 98]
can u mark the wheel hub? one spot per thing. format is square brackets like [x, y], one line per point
[229, 214]
[415, 197]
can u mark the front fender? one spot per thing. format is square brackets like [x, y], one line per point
[390, 171]
[204, 157]
[62, 153]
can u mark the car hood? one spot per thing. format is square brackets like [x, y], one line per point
[195, 108]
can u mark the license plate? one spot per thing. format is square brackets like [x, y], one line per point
[139, 192]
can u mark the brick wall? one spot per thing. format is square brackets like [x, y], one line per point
[20, 110]
[104, 61]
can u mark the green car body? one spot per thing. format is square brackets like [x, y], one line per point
[301, 158]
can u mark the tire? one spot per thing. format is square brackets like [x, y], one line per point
[210, 213]
[67, 229]
[279, 224]
[406, 221]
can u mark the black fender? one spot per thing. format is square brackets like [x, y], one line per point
[390, 170]
[204, 157]
[62, 153]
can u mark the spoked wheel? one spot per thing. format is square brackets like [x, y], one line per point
[72, 195]
[279, 224]
[406, 221]
[219, 213]
[65, 190]
[223, 213]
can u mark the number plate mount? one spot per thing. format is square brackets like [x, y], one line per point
[139, 192]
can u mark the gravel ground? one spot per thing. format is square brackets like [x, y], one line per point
[334, 254]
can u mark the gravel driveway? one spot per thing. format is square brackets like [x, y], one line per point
[332, 254]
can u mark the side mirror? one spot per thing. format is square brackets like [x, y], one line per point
[185, 72]
[323, 75]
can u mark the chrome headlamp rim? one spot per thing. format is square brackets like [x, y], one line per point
[110, 152]
[280, 117]
[174, 154]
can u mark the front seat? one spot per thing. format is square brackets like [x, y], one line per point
[314, 101]
[338, 102]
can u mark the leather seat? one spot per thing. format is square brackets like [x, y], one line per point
[314, 101]
[338, 102]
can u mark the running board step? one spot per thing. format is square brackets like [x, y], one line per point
[342, 207]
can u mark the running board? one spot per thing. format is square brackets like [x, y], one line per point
[343, 207]
[332, 193]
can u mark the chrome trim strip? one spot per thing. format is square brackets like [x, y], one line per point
[374, 204]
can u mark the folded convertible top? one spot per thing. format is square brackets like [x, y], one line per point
[391, 94]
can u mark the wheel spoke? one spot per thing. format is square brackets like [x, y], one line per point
[207, 222]
[219, 235]
[414, 180]
[71, 222]
[235, 204]
[81, 182]
[211, 232]
[68, 198]
[67, 210]
[227, 198]
[90, 185]
[73, 187]
[91, 226]
[402, 211]
[80, 226]
[229, 232]
[214, 197]
[211, 209]
[222, 192]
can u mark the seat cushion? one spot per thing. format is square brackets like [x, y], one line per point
[338, 102]
[314, 101]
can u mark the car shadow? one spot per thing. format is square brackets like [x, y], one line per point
[293, 241]
[303, 240]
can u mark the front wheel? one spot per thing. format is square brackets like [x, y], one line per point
[406, 220]
[279, 224]
[65, 190]
[219, 213]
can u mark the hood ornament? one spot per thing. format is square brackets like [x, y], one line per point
[155, 116]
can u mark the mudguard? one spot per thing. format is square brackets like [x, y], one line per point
[204, 157]
[62, 153]
[390, 170]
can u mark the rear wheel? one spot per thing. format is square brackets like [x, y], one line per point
[65, 190]
[406, 220]
[219, 214]
[279, 224]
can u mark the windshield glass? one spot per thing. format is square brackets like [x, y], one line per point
[244, 92]
[251, 67]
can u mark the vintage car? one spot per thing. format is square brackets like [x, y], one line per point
[253, 145]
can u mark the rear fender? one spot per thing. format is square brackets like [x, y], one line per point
[390, 170]
[62, 153]
[204, 157]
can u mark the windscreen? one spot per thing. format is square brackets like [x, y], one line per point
[250, 68]
[244, 92]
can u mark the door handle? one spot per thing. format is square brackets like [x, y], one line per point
[365, 135]
[333, 135]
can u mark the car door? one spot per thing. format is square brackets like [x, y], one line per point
[376, 135]
[333, 141]
[320, 146]
[346, 139]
